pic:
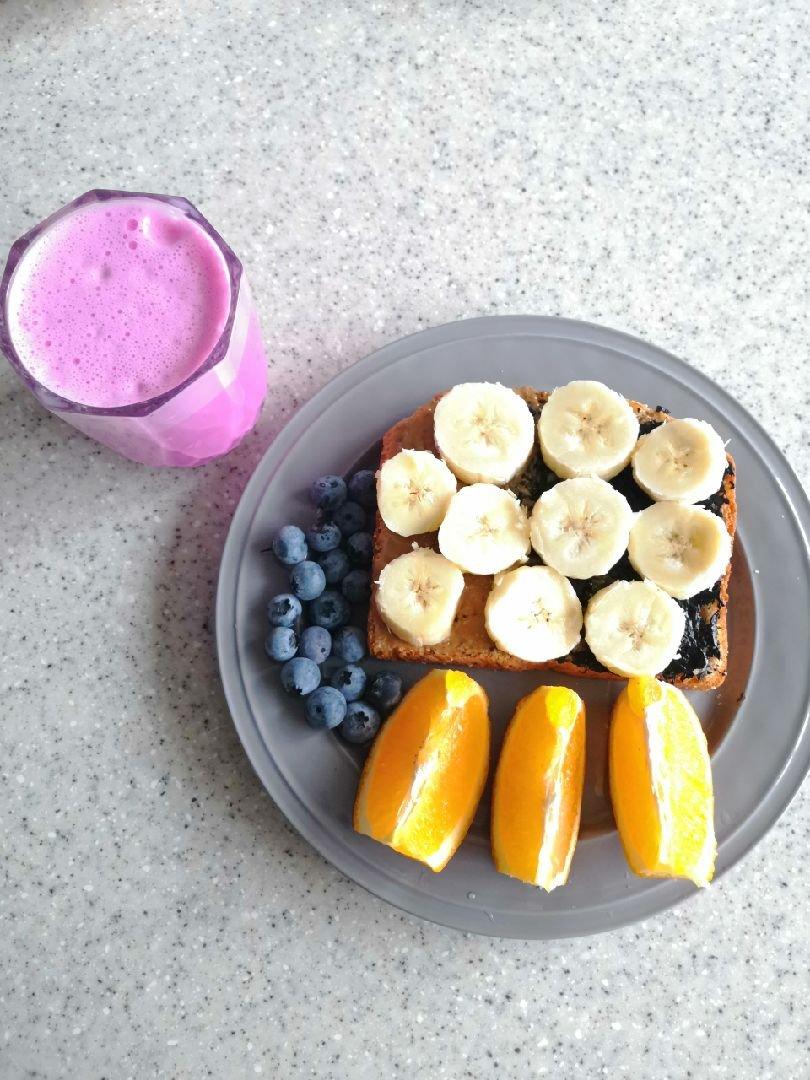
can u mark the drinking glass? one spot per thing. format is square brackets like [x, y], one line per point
[201, 418]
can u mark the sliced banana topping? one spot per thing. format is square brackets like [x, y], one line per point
[417, 596]
[485, 530]
[680, 461]
[534, 614]
[684, 549]
[484, 431]
[634, 628]
[587, 429]
[581, 526]
[414, 489]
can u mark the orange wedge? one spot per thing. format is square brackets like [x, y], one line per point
[661, 783]
[424, 776]
[537, 798]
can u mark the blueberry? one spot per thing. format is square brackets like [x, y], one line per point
[361, 724]
[385, 691]
[350, 680]
[315, 644]
[335, 565]
[357, 586]
[307, 580]
[358, 548]
[349, 643]
[325, 707]
[284, 610]
[363, 488]
[330, 610]
[300, 676]
[324, 537]
[281, 643]
[328, 492]
[350, 518]
[290, 545]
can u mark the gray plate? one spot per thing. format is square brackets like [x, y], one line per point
[757, 722]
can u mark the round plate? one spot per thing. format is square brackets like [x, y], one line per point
[757, 721]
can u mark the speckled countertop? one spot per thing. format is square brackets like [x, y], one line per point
[380, 168]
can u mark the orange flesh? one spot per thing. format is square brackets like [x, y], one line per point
[452, 789]
[538, 787]
[631, 788]
[425, 774]
[388, 775]
[661, 784]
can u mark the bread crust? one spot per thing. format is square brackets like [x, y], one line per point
[469, 644]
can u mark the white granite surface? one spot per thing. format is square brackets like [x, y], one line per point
[380, 167]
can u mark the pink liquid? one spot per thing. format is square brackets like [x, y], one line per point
[118, 302]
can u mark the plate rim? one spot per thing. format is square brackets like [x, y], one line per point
[635, 908]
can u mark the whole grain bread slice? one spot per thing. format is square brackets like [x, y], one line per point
[469, 645]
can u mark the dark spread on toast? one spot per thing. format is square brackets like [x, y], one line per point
[700, 644]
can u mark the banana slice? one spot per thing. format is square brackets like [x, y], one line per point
[417, 596]
[684, 549]
[587, 429]
[484, 431]
[485, 530]
[581, 526]
[534, 614]
[634, 628]
[680, 461]
[414, 489]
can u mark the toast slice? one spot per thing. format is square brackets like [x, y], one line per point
[703, 657]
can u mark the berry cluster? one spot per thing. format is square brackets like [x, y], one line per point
[310, 626]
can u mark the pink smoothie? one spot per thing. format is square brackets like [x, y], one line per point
[118, 302]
